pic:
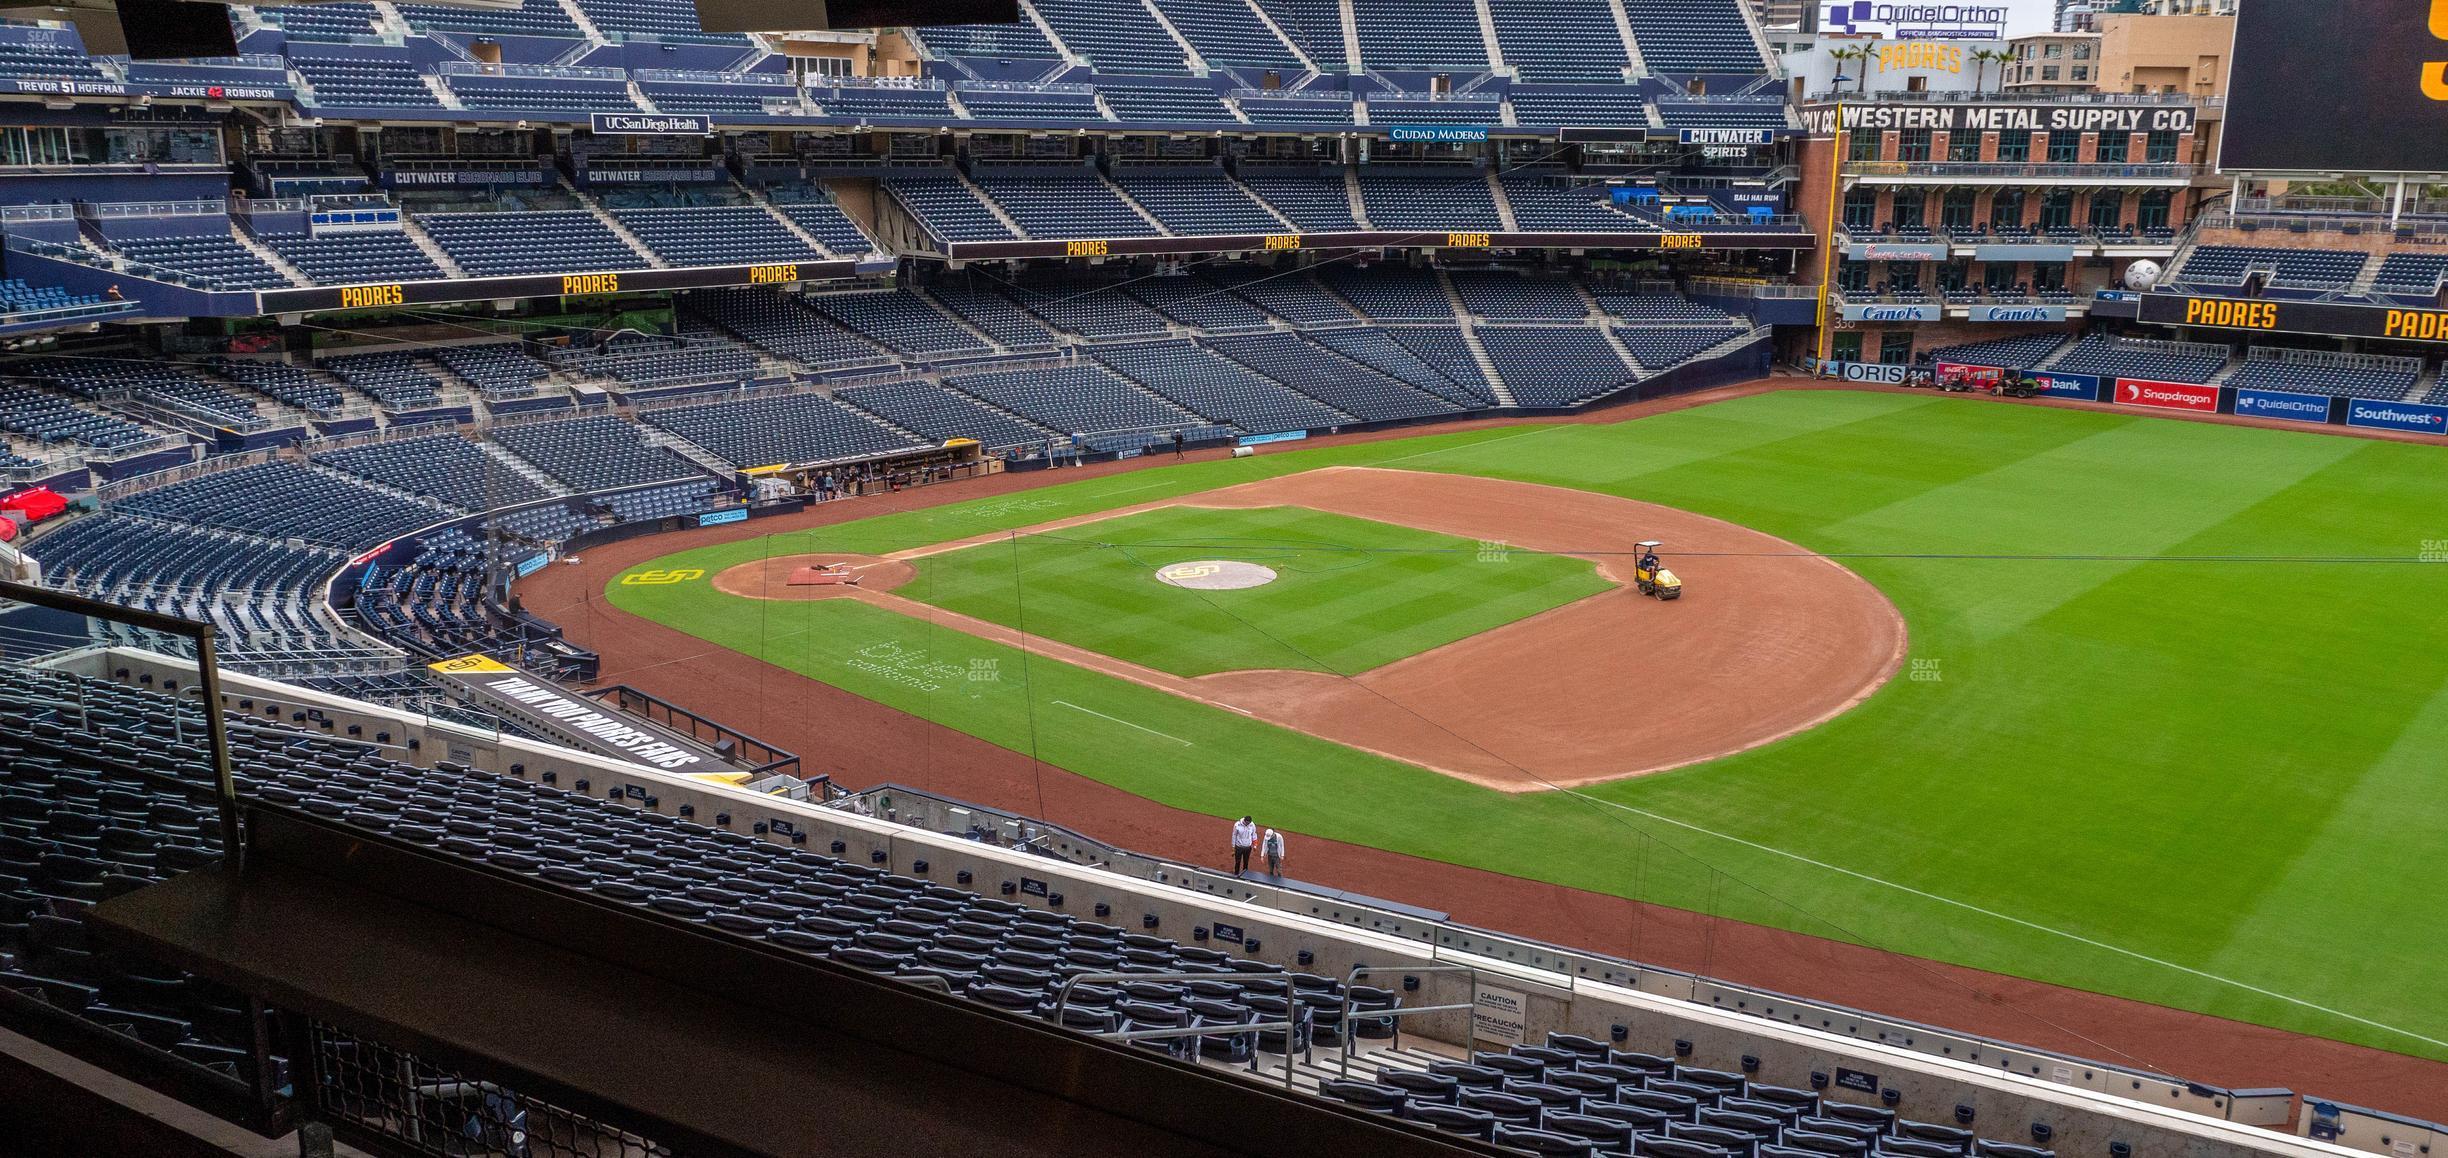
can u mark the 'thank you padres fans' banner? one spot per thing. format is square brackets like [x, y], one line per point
[2395, 323]
[2348, 86]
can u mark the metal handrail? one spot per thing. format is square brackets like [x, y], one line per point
[1062, 1001]
[1399, 1011]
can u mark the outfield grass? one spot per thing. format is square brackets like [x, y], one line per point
[1349, 594]
[2182, 744]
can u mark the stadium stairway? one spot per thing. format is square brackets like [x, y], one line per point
[637, 244]
[713, 464]
[434, 253]
[1351, 173]
[521, 467]
[1496, 190]
[265, 254]
[1123, 195]
[1000, 216]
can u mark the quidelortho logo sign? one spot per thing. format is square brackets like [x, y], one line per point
[2254, 402]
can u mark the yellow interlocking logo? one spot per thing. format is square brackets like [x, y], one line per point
[660, 578]
[1181, 571]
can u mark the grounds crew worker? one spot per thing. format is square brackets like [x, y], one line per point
[1244, 834]
[1273, 847]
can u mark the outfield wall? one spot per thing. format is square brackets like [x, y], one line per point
[1925, 1075]
[2148, 394]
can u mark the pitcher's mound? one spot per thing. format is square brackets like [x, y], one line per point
[812, 576]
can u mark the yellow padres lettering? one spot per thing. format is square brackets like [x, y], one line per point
[1086, 248]
[1679, 241]
[1283, 241]
[772, 274]
[2420, 325]
[2235, 315]
[1466, 240]
[590, 283]
[358, 297]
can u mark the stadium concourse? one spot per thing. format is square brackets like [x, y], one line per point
[392, 414]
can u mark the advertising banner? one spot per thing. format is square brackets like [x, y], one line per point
[2167, 395]
[2414, 416]
[1437, 134]
[2081, 387]
[1889, 312]
[2254, 402]
[718, 518]
[1864, 371]
[1896, 251]
[1963, 371]
[1725, 136]
[651, 124]
[2018, 313]
[2040, 253]
[1280, 436]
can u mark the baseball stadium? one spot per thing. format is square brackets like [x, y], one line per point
[1678, 578]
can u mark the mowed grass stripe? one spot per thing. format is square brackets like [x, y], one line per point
[2133, 753]
[1351, 594]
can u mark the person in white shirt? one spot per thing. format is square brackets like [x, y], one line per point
[1244, 835]
[1272, 846]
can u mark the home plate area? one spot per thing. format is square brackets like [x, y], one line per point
[1215, 575]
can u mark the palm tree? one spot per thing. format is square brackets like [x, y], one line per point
[1846, 55]
[1987, 57]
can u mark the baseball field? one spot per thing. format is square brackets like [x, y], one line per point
[2144, 707]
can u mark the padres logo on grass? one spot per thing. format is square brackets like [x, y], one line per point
[662, 578]
[1215, 575]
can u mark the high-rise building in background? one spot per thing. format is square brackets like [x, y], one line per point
[1780, 13]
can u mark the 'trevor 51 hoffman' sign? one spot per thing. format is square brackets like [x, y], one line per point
[651, 125]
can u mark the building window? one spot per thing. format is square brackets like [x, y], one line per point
[2047, 277]
[1964, 145]
[2152, 213]
[1860, 207]
[1915, 145]
[2014, 145]
[2006, 209]
[2082, 52]
[2160, 149]
[1956, 211]
[2113, 147]
[1895, 347]
[2057, 209]
[1846, 347]
[2082, 72]
[1864, 146]
[2107, 209]
[2065, 148]
[2048, 72]
[2052, 52]
[1911, 208]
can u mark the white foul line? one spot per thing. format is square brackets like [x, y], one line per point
[2077, 937]
[1125, 723]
